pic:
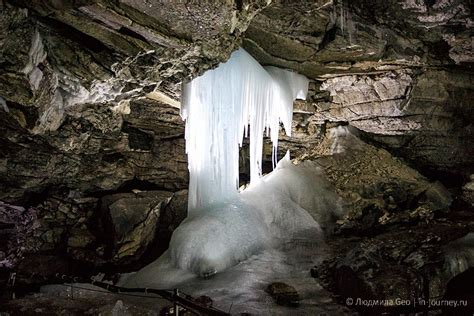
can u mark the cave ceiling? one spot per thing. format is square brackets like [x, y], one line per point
[93, 86]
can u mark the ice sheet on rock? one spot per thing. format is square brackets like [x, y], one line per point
[218, 108]
[460, 255]
[343, 138]
[241, 288]
[258, 218]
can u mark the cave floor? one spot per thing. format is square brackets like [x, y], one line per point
[243, 288]
[240, 289]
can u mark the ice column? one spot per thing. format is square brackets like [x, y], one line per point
[218, 108]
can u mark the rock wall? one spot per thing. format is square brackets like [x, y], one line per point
[402, 238]
[94, 151]
[422, 115]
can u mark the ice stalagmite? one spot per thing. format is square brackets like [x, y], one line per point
[218, 108]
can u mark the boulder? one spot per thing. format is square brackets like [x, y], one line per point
[283, 293]
[130, 220]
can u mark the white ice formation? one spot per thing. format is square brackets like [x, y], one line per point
[224, 226]
[292, 202]
[218, 108]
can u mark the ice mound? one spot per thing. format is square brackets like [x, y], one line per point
[276, 208]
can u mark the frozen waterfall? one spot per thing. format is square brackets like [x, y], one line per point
[225, 227]
[218, 108]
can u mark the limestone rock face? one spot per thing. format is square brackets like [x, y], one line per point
[394, 265]
[424, 117]
[82, 235]
[321, 37]
[378, 190]
[401, 71]
[57, 54]
[374, 65]
[95, 150]
[131, 220]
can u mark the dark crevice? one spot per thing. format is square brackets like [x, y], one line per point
[329, 36]
[35, 198]
[128, 186]
[49, 7]
[71, 33]
[440, 50]
[239, 5]
[113, 157]
[30, 113]
[135, 183]
[137, 138]
[451, 178]
[430, 3]
[131, 33]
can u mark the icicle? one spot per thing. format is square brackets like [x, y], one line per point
[218, 107]
[342, 16]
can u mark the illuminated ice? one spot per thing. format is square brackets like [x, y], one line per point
[281, 206]
[224, 226]
[218, 108]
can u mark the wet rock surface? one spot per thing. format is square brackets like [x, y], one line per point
[320, 37]
[81, 236]
[408, 264]
[82, 299]
[284, 294]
